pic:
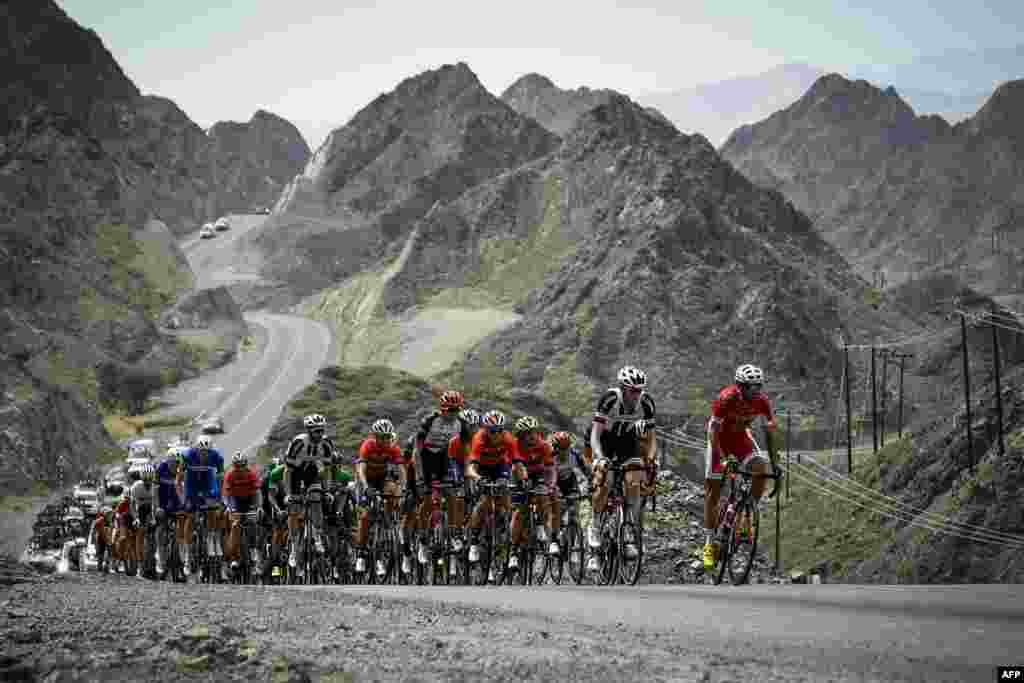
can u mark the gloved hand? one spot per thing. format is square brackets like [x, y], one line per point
[259, 515]
[280, 515]
[135, 524]
[290, 499]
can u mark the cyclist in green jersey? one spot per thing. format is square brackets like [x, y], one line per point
[277, 511]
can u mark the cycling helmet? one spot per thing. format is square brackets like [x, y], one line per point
[470, 417]
[239, 458]
[632, 378]
[527, 423]
[451, 400]
[134, 474]
[276, 460]
[148, 473]
[561, 440]
[749, 374]
[314, 421]
[172, 451]
[204, 443]
[383, 426]
[338, 458]
[494, 421]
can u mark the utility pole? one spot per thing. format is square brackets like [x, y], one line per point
[778, 533]
[849, 420]
[885, 384]
[902, 357]
[874, 404]
[967, 390]
[999, 388]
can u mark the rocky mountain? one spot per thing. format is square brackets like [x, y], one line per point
[961, 72]
[895, 192]
[428, 140]
[716, 109]
[632, 243]
[255, 160]
[556, 109]
[95, 180]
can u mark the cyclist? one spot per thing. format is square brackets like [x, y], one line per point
[169, 502]
[571, 470]
[732, 414]
[306, 453]
[100, 536]
[204, 467]
[276, 511]
[241, 494]
[430, 455]
[144, 502]
[379, 461]
[622, 432]
[122, 529]
[539, 470]
[458, 451]
[492, 452]
[335, 478]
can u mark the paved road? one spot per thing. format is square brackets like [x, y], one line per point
[250, 392]
[926, 633]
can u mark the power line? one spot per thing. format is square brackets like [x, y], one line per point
[905, 511]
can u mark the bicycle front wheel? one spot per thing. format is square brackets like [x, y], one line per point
[630, 553]
[743, 549]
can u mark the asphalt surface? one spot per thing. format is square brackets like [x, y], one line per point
[249, 393]
[928, 633]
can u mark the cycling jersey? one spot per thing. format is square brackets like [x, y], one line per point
[335, 477]
[303, 450]
[272, 486]
[619, 440]
[240, 484]
[202, 476]
[731, 417]
[169, 492]
[483, 452]
[377, 456]
[437, 429]
[538, 457]
[143, 499]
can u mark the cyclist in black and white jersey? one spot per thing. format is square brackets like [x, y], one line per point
[622, 433]
[306, 453]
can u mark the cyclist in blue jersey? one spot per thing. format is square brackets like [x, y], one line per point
[170, 502]
[204, 468]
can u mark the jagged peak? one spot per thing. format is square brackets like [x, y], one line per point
[1002, 112]
[623, 119]
[532, 80]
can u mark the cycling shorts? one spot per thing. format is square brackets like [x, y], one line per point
[744, 450]
[195, 503]
[435, 465]
[567, 484]
[621, 450]
[245, 504]
[494, 472]
[303, 476]
[533, 481]
[456, 470]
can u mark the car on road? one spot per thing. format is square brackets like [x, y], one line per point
[212, 425]
[207, 232]
[263, 210]
[222, 224]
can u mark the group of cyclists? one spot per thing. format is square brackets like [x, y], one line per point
[310, 489]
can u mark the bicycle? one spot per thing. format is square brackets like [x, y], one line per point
[207, 565]
[572, 549]
[533, 556]
[247, 539]
[493, 538]
[174, 568]
[440, 555]
[618, 534]
[381, 550]
[739, 502]
[339, 537]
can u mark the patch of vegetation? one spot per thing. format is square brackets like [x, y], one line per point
[23, 503]
[897, 451]
[573, 392]
[472, 298]
[62, 373]
[121, 427]
[509, 269]
[141, 268]
[482, 376]
[817, 524]
[23, 391]
[94, 307]
[198, 349]
[247, 343]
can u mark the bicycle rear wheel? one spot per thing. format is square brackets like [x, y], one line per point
[609, 554]
[742, 553]
[574, 554]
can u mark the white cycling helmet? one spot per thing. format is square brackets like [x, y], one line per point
[239, 458]
[632, 377]
[749, 374]
[470, 417]
[493, 420]
[204, 443]
[383, 426]
[314, 421]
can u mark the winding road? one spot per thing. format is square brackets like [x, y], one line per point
[249, 392]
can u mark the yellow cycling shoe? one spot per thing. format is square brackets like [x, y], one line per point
[710, 555]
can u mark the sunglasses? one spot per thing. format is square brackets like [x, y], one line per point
[385, 437]
[632, 390]
[751, 387]
[317, 432]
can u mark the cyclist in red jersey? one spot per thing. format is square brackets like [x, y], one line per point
[492, 453]
[732, 414]
[539, 470]
[380, 458]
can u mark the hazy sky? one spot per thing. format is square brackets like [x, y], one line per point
[317, 62]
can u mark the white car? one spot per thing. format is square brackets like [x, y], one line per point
[207, 232]
[222, 224]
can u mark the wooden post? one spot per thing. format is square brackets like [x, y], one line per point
[999, 388]
[849, 419]
[874, 404]
[885, 402]
[967, 390]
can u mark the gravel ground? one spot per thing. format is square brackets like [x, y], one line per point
[64, 627]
